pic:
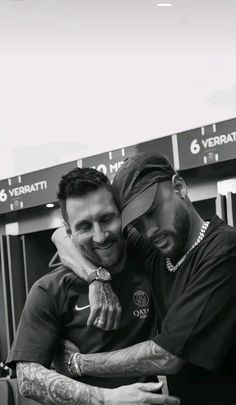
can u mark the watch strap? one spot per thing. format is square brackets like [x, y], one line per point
[92, 276]
[96, 276]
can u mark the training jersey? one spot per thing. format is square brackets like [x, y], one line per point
[57, 307]
[196, 311]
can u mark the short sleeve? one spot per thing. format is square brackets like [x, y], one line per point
[200, 326]
[38, 330]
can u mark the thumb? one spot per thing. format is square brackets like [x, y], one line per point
[152, 386]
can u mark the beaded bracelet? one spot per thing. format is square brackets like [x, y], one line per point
[74, 368]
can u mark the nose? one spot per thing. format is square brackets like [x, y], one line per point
[99, 234]
[150, 230]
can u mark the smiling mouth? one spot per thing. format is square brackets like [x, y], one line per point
[160, 243]
[104, 247]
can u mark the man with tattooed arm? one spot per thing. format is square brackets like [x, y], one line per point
[58, 306]
[192, 265]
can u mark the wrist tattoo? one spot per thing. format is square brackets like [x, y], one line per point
[85, 272]
[74, 366]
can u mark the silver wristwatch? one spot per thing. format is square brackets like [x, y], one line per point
[99, 274]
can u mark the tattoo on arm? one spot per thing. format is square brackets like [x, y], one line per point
[142, 359]
[38, 383]
[86, 272]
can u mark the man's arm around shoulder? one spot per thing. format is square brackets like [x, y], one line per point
[49, 387]
[142, 359]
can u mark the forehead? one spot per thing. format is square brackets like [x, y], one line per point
[91, 206]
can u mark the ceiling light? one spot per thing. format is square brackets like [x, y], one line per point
[50, 205]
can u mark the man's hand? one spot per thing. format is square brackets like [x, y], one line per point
[62, 357]
[139, 393]
[105, 309]
[70, 255]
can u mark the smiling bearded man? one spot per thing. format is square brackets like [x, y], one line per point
[192, 265]
[58, 307]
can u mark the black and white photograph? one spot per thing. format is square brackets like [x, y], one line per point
[117, 202]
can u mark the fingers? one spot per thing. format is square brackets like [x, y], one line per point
[154, 398]
[109, 316]
[112, 309]
[116, 317]
[104, 320]
[105, 309]
[94, 315]
[98, 316]
[96, 293]
[115, 313]
[105, 317]
[108, 313]
[161, 399]
[152, 386]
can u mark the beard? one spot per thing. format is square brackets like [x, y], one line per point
[106, 258]
[180, 234]
[176, 238]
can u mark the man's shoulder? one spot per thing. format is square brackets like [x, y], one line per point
[220, 240]
[59, 278]
[223, 232]
[53, 288]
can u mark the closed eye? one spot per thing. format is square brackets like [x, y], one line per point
[84, 226]
[150, 212]
[107, 218]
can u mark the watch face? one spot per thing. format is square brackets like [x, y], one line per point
[103, 273]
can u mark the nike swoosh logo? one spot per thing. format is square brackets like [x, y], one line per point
[81, 308]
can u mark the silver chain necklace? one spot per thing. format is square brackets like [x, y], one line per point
[200, 237]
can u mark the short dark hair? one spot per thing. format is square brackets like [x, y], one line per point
[79, 182]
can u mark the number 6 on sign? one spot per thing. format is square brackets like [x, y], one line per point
[3, 195]
[195, 147]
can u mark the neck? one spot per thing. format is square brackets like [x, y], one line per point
[195, 225]
[173, 267]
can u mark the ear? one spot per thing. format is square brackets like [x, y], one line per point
[68, 230]
[179, 186]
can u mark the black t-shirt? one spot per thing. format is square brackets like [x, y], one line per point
[57, 306]
[196, 310]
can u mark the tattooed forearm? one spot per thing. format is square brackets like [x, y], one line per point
[49, 388]
[70, 255]
[145, 358]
